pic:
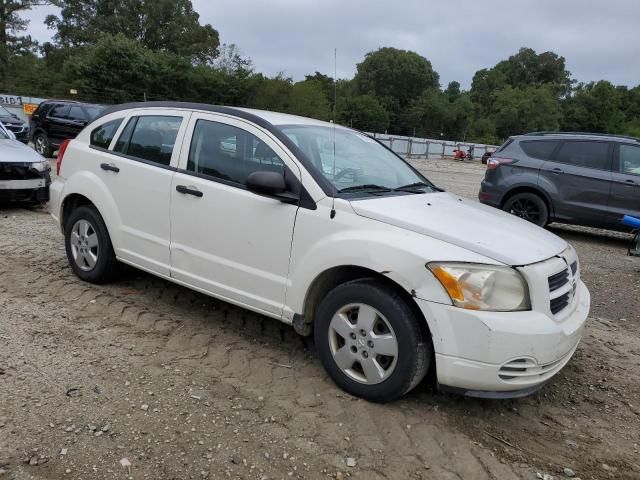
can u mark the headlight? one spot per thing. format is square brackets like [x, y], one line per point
[41, 166]
[483, 287]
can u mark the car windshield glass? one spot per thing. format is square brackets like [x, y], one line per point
[3, 134]
[361, 163]
[4, 112]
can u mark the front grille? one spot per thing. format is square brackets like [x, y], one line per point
[15, 128]
[574, 267]
[559, 303]
[10, 171]
[558, 280]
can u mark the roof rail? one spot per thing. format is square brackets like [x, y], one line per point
[586, 134]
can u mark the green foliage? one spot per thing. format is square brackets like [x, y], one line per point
[522, 110]
[363, 112]
[165, 25]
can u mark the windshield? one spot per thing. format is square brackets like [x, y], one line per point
[4, 112]
[361, 163]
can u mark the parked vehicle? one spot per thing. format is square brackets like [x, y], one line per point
[55, 121]
[576, 178]
[24, 175]
[485, 156]
[14, 124]
[324, 228]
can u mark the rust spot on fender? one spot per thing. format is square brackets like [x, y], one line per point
[385, 272]
[413, 293]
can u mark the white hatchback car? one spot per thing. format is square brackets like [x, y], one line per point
[324, 228]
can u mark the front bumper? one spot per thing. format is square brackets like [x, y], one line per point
[514, 353]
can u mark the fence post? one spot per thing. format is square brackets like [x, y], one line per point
[409, 145]
[444, 145]
[426, 153]
[390, 143]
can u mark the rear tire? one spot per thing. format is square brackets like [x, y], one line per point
[370, 342]
[42, 145]
[528, 206]
[89, 249]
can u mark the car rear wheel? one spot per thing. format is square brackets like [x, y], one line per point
[42, 146]
[528, 206]
[370, 342]
[88, 246]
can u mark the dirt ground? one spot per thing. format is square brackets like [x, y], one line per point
[145, 379]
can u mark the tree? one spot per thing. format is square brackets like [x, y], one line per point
[595, 107]
[396, 75]
[363, 112]
[11, 28]
[522, 110]
[453, 91]
[309, 99]
[166, 25]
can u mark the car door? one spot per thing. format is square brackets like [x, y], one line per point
[578, 180]
[76, 121]
[137, 171]
[226, 240]
[625, 184]
[56, 122]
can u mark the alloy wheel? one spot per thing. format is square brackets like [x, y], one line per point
[85, 247]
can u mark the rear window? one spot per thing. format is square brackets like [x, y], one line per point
[585, 154]
[542, 149]
[101, 136]
[76, 113]
[59, 111]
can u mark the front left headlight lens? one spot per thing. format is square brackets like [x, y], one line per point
[483, 287]
[41, 166]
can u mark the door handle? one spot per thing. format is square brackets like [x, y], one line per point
[109, 167]
[189, 191]
[630, 182]
[557, 171]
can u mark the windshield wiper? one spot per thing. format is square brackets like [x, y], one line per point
[413, 187]
[369, 188]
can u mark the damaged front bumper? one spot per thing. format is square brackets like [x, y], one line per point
[21, 182]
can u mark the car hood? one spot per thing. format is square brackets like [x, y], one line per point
[11, 121]
[12, 151]
[467, 224]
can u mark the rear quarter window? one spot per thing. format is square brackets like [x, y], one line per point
[101, 136]
[542, 149]
[587, 154]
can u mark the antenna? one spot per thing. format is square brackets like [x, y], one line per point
[335, 106]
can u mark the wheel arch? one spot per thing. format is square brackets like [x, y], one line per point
[338, 275]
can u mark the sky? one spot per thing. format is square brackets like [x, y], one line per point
[600, 39]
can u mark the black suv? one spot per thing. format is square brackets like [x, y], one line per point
[577, 178]
[54, 121]
[14, 124]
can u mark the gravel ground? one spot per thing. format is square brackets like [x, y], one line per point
[145, 379]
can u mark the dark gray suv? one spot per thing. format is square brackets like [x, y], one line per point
[582, 179]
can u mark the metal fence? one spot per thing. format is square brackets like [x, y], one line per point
[412, 147]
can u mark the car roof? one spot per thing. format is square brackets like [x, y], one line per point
[576, 136]
[273, 118]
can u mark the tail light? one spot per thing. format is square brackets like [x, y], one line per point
[61, 150]
[495, 162]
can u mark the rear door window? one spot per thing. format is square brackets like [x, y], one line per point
[587, 154]
[150, 138]
[76, 113]
[542, 149]
[630, 159]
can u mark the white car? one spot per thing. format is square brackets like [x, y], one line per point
[24, 174]
[340, 238]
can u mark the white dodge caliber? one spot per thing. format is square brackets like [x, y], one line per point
[325, 229]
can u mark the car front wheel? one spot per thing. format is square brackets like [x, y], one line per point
[42, 145]
[370, 342]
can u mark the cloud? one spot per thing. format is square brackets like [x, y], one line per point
[599, 39]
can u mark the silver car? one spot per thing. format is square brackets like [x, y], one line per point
[24, 174]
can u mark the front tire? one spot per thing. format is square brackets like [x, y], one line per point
[369, 341]
[42, 145]
[528, 206]
[89, 249]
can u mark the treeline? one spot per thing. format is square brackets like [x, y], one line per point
[113, 51]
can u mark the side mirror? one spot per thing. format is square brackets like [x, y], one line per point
[271, 184]
[266, 183]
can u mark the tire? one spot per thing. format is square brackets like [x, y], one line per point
[90, 252]
[369, 305]
[528, 206]
[42, 145]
